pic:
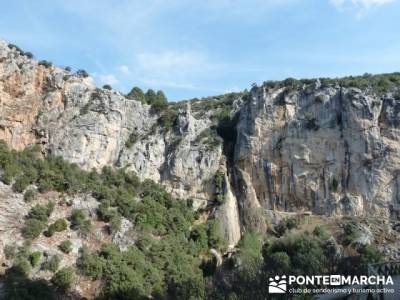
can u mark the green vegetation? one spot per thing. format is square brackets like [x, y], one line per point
[285, 225]
[215, 235]
[107, 87]
[20, 184]
[321, 233]
[220, 185]
[64, 278]
[34, 258]
[299, 254]
[18, 49]
[22, 264]
[250, 257]
[57, 226]
[33, 228]
[65, 246]
[9, 251]
[370, 254]
[82, 73]
[380, 84]
[157, 100]
[29, 195]
[36, 220]
[351, 231]
[41, 212]
[132, 139]
[171, 255]
[52, 264]
[220, 108]
[18, 286]
[168, 119]
[29, 55]
[136, 94]
[156, 268]
[210, 138]
[168, 256]
[79, 221]
[45, 63]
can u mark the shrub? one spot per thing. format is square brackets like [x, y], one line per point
[151, 96]
[250, 247]
[107, 87]
[285, 225]
[64, 278]
[199, 236]
[79, 222]
[41, 212]
[65, 246]
[29, 55]
[133, 137]
[33, 228]
[57, 226]
[219, 182]
[350, 232]
[52, 264]
[22, 265]
[136, 94]
[18, 49]
[91, 265]
[20, 184]
[115, 223]
[45, 63]
[161, 102]
[305, 253]
[168, 119]
[320, 233]
[29, 195]
[9, 251]
[82, 73]
[370, 254]
[34, 258]
[279, 262]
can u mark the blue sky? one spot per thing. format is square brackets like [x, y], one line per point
[191, 48]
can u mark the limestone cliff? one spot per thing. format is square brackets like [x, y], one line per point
[326, 148]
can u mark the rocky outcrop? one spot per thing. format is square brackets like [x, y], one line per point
[68, 116]
[329, 150]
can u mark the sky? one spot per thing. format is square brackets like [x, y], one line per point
[191, 48]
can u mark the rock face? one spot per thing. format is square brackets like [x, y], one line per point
[329, 150]
[70, 117]
[326, 149]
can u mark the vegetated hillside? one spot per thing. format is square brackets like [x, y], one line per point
[127, 197]
[111, 236]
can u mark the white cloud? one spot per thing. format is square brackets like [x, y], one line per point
[361, 7]
[107, 79]
[124, 70]
[172, 68]
[234, 89]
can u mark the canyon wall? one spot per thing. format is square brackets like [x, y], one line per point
[325, 149]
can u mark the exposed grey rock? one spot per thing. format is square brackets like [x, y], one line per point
[325, 150]
[328, 150]
[122, 238]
